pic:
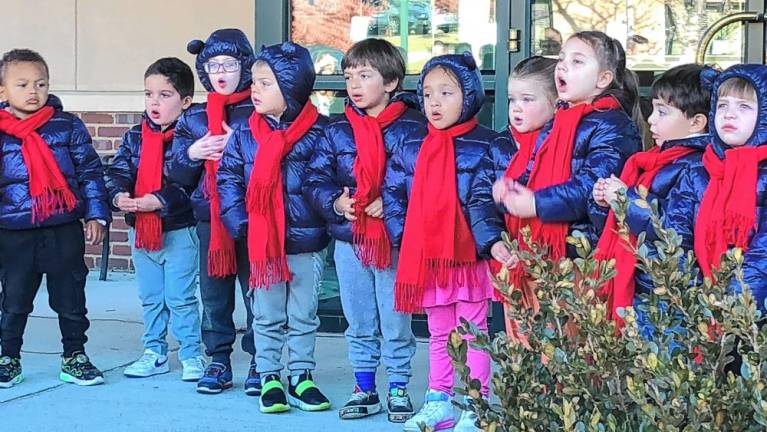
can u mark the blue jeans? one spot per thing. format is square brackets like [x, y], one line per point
[367, 297]
[167, 285]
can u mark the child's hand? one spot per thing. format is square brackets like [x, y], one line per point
[124, 202]
[345, 205]
[210, 147]
[500, 188]
[94, 232]
[503, 255]
[519, 201]
[598, 193]
[612, 186]
[375, 209]
[148, 203]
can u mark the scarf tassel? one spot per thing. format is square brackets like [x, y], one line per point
[222, 262]
[372, 252]
[148, 232]
[50, 202]
[264, 273]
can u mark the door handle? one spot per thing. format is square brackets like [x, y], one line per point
[514, 46]
[708, 35]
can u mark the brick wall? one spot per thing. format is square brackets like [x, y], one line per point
[107, 130]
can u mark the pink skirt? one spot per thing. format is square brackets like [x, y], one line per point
[464, 292]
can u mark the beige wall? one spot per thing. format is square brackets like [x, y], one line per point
[98, 49]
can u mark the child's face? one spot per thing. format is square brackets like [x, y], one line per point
[529, 105]
[265, 92]
[578, 75]
[224, 72]
[735, 119]
[442, 99]
[668, 123]
[25, 88]
[162, 102]
[366, 88]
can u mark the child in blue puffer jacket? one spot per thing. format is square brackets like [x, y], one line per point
[347, 185]
[260, 181]
[50, 179]
[223, 66]
[163, 242]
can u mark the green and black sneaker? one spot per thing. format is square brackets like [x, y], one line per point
[10, 372]
[272, 399]
[305, 395]
[79, 370]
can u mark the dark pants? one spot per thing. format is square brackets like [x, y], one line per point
[218, 332]
[26, 255]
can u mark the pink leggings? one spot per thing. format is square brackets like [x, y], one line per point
[442, 320]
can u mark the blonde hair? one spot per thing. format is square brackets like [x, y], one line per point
[737, 87]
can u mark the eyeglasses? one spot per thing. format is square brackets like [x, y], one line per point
[227, 66]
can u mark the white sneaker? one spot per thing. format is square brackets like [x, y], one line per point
[467, 423]
[194, 368]
[149, 364]
[436, 413]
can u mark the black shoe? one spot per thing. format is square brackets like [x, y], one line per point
[79, 370]
[273, 396]
[253, 382]
[305, 395]
[360, 404]
[399, 406]
[10, 372]
[216, 378]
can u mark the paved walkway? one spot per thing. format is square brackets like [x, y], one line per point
[161, 403]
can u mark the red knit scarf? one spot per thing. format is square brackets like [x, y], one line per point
[48, 188]
[149, 180]
[552, 166]
[640, 170]
[265, 198]
[369, 237]
[727, 214]
[437, 238]
[221, 256]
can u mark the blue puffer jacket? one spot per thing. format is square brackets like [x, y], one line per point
[755, 257]
[122, 174]
[193, 124]
[306, 229]
[665, 188]
[70, 143]
[470, 149]
[332, 168]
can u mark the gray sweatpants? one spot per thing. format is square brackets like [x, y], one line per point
[287, 312]
[367, 296]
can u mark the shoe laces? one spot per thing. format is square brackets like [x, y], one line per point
[399, 397]
[358, 395]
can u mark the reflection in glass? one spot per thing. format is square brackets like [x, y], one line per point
[657, 34]
[419, 28]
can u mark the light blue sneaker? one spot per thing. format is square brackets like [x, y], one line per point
[436, 413]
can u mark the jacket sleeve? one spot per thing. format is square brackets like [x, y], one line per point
[173, 196]
[597, 215]
[609, 146]
[319, 187]
[120, 177]
[90, 174]
[755, 270]
[232, 187]
[487, 222]
[184, 170]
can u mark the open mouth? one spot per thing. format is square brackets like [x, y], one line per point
[154, 114]
[221, 83]
[436, 116]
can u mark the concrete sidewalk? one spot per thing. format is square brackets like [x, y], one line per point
[162, 403]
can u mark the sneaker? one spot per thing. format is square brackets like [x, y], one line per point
[10, 372]
[79, 370]
[216, 378]
[436, 413]
[253, 382]
[399, 406]
[273, 396]
[467, 422]
[305, 395]
[149, 364]
[193, 369]
[360, 404]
